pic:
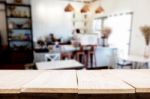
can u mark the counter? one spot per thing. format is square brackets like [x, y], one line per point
[71, 84]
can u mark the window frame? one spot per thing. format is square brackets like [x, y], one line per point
[103, 18]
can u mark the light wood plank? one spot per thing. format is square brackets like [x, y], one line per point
[139, 79]
[97, 82]
[89, 82]
[53, 82]
[12, 81]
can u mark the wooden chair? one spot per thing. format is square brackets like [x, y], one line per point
[52, 57]
[67, 55]
[91, 57]
[80, 56]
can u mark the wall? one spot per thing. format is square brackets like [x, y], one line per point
[49, 17]
[141, 17]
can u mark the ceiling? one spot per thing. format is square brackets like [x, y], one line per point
[85, 1]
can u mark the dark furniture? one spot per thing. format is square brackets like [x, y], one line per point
[91, 57]
[19, 29]
[3, 48]
[80, 56]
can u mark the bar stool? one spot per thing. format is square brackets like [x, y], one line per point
[65, 56]
[91, 57]
[80, 56]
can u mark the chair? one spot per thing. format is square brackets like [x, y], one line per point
[91, 57]
[121, 63]
[65, 56]
[52, 57]
[124, 63]
[80, 56]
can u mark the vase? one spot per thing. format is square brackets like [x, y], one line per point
[104, 42]
[147, 51]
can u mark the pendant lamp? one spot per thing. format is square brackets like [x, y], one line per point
[99, 10]
[69, 8]
[85, 9]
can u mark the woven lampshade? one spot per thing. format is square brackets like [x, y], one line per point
[69, 8]
[99, 10]
[85, 9]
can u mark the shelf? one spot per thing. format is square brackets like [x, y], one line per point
[19, 5]
[21, 40]
[21, 29]
[20, 46]
[21, 50]
[18, 17]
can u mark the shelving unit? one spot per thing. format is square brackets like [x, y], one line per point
[19, 28]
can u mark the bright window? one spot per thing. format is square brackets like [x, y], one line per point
[121, 31]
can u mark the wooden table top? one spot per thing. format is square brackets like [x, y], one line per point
[12, 81]
[97, 82]
[139, 79]
[69, 81]
[53, 82]
[61, 64]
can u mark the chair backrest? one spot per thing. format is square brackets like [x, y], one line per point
[52, 57]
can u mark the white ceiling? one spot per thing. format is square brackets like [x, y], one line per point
[85, 1]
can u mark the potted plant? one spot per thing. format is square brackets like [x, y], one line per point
[146, 33]
[106, 31]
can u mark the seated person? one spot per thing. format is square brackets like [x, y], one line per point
[40, 43]
[76, 38]
[50, 40]
[75, 34]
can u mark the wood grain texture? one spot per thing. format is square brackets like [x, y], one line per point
[76, 96]
[108, 96]
[49, 96]
[9, 96]
[139, 79]
[97, 82]
[53, 82]
[88, 82]
[12, 81]
[142, 96]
